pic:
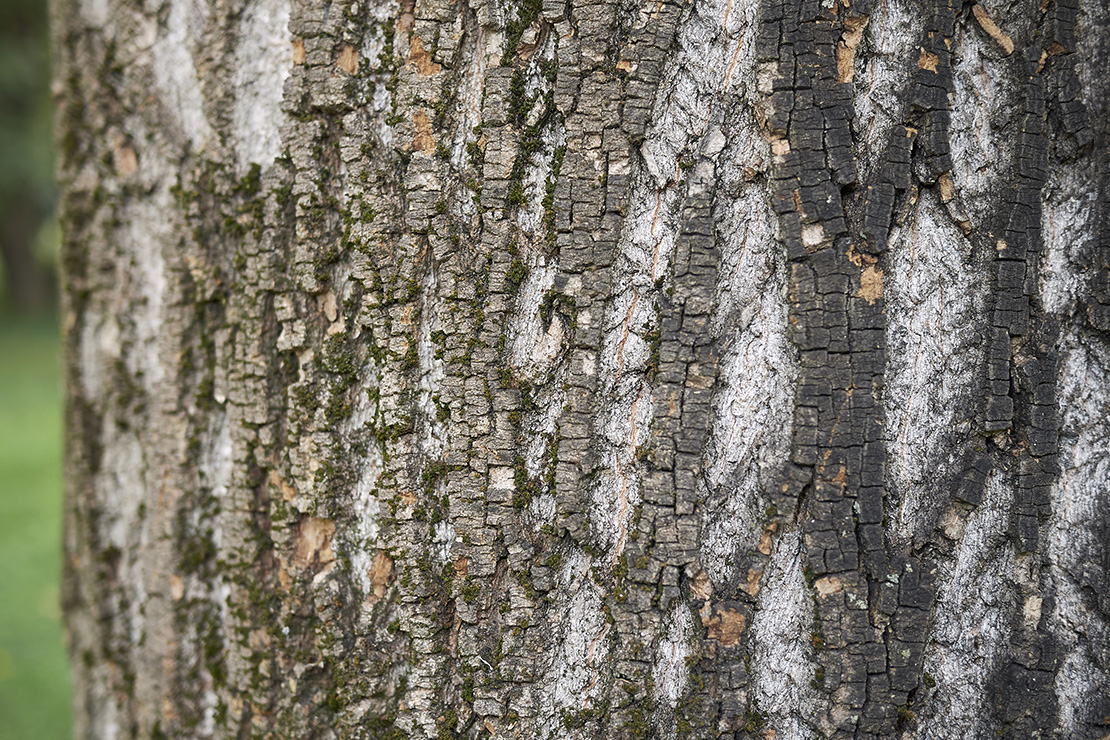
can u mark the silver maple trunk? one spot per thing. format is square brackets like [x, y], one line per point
[718, 368]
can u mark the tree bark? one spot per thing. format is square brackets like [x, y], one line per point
[719, 368]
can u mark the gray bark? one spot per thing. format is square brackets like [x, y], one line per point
[723, 368]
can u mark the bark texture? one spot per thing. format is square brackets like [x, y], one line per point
[587, 369]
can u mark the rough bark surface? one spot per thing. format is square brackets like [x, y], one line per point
[567, 369]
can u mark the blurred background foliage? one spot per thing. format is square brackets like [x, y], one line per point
[34, 677]
[28, 231]
[34, 680]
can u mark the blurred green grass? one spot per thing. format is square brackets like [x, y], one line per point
[34, 677]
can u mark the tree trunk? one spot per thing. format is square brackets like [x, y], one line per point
[719, 368]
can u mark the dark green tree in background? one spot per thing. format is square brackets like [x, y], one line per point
[26, 167]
